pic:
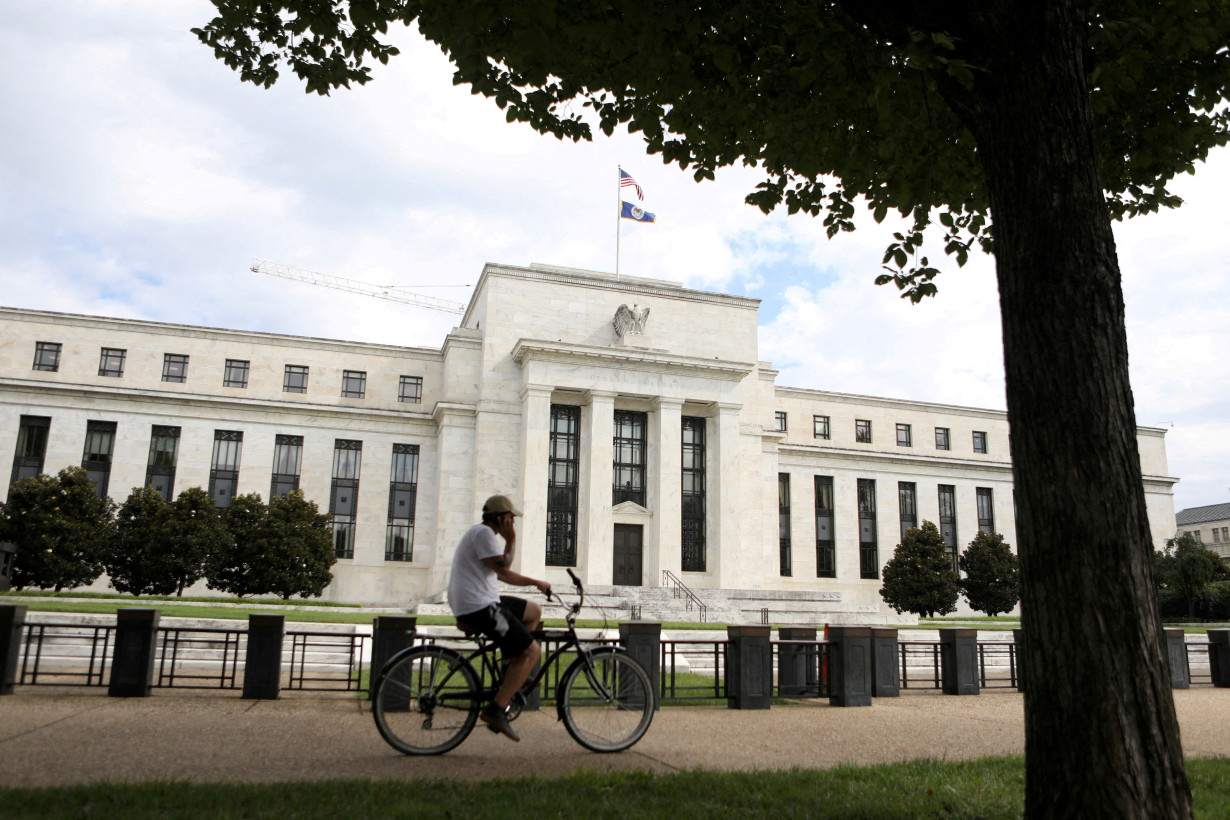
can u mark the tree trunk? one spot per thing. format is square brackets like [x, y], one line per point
[1101, 736]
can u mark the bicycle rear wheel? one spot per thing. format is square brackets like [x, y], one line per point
[606, 704]
[426, 700]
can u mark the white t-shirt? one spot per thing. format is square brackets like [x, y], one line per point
[472, 585]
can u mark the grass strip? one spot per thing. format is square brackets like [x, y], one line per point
[985, 789]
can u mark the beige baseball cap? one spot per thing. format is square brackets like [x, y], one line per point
[500, 504]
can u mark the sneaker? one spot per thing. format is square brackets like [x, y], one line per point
[497, 721]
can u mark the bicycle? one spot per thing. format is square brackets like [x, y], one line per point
[426, 698]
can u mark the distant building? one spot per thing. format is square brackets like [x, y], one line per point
[630, 418]
[1210, 525]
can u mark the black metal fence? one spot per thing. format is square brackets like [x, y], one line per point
[691, 671]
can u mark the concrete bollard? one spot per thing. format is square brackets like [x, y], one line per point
[798, 666]
[850, 675]
[885, 660]
[959, 661]
[643, 641]
[1018, 640]
[132, 661]
[390, 635]
[12, 621]
[1219, 657]
[749, 668]
[1176, 657]
[262, 665]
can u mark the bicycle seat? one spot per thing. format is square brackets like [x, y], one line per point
[468, 629]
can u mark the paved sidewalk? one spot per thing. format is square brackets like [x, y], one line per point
[54, 738]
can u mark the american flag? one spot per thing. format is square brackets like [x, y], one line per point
[625, 179]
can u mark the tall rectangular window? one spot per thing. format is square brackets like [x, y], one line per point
[295, 379]
[904, 438]
[354, 384]
[692, 495]
[224, 466]
[941, 438]
[779, 421]
[236, 373]
[948, 519]
[111, 362]
[47, 356]
[344, 495]
[826, 558]
[403, 493]
[287, 465]
[174, 368]
[986, 509]
[820, 426]
[410, 389]
[31, 447]
[629, 453]
[563, 481]
[980, 442]
[907, 497]
[783, 522]
[99, 447]
[163, 455]
[862, 431]
[868, 549]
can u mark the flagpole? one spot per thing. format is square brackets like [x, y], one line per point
[619, 195]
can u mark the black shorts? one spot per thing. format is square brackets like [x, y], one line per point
[503, 624]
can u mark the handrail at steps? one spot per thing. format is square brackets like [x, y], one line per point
[669, 579]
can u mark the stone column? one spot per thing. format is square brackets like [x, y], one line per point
[1219, 656]
[722, 497]
[390, 635]
[12, 620]
[132, 659]
[885, 658]
[262, 666]
[749, 668]
[665, 485]
[643, 641]
[1176, 656]
[595, 530]
[850, 672]
[531, 557]
[456, 507]
[959, 661]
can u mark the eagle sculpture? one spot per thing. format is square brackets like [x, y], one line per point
[630, 321]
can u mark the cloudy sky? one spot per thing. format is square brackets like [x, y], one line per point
[139, 178]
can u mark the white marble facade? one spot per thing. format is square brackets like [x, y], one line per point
[532, 338]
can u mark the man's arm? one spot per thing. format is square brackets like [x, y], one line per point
[506, 574]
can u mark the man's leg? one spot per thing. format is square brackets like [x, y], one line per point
[533, 615]
[518, 673]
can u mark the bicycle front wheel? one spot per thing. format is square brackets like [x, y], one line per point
[606, 700]
[426, 700]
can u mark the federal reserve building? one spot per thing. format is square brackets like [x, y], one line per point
[630, 419]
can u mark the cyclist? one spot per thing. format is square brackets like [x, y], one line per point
[474, 596]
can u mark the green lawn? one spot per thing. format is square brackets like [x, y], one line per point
[984, 789]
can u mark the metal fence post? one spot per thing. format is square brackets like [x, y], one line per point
[132, 660]
[12, 620]
[262, 665]
[749, 668]
[8, 556]
[798, 666]
[1176, 656]
[849, 665]
[959, 661]
[390, 635]
[643, 641]
[884, 657]
[1219, 657]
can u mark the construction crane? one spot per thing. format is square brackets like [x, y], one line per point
[393, 293]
